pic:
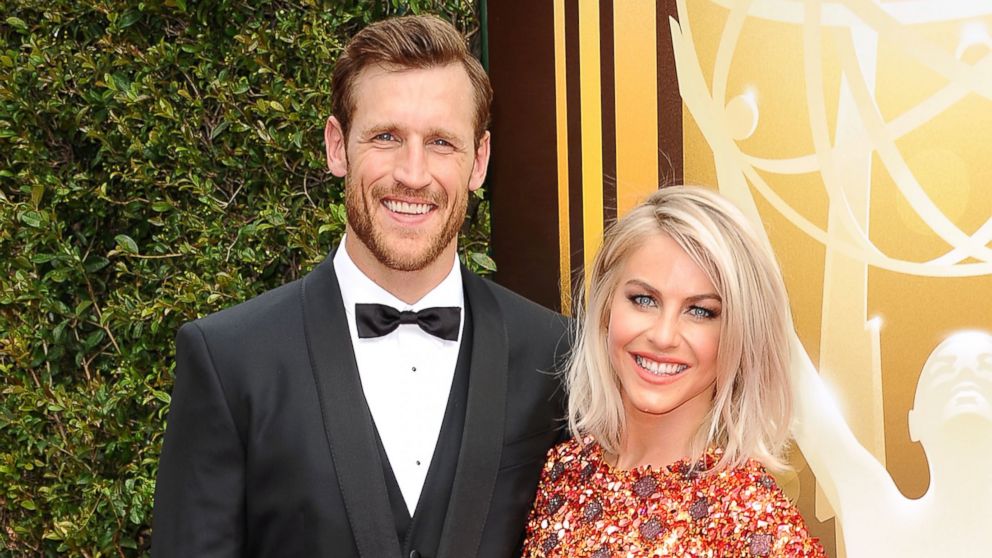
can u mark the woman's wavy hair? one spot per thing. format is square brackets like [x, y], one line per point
[752, 402]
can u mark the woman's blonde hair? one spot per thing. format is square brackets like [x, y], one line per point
[752, 403]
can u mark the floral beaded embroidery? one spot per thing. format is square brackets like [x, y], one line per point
[585, 508]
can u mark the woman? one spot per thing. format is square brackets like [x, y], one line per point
[678, 396]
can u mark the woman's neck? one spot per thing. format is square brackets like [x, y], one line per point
[654, 440]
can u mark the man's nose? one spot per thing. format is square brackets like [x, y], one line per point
[411, 166]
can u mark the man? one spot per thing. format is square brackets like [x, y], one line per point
[311, 421]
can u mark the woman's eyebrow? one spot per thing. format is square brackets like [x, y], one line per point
[642, 284]
[694, 298]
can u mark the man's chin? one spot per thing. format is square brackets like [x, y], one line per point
[405, 263]
[408, 254]
[402, 248]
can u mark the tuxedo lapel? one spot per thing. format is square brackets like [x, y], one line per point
[347, 420]
[482, 439]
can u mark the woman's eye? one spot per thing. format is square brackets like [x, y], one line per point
[642, 300]
[700, 312]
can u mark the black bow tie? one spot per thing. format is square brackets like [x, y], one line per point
[376, 320]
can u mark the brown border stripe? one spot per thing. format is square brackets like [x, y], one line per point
[609, 114]
[670, 158]
[523, 167]
[574, 141]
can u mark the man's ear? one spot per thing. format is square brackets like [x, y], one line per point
[480, 164]
[335, 143]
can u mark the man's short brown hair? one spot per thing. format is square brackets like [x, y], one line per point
[407, 42]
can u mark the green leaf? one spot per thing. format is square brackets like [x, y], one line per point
[52, 536]
[162, 206]
[82, 307]
[120, 82]
[30, 218]
[277, 106]
[484, 261]
[17, 23]
[94, 338]
[28, 504]
[58, 331]
[37, 193]
[219, 129]
[95, 263]
[57, 275]
[129, 18]
[126, 244]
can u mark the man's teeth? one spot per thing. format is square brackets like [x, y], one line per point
[660, 368]
[408, 208]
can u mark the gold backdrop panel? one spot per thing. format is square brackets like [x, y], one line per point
[592, 128]
[636, 102]
[857, 134]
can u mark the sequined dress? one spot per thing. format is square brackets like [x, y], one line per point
[586, 508]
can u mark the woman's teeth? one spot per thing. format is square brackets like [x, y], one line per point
[659, 368]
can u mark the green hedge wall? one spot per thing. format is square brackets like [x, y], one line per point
[159, 160]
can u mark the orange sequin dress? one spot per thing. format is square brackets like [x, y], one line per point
[586, 508]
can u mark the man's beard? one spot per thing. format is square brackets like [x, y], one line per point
[361, 210]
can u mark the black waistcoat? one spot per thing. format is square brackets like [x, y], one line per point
[422, 532]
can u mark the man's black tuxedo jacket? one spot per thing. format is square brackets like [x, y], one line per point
[271, 451]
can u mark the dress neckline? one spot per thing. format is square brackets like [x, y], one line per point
[681, 468]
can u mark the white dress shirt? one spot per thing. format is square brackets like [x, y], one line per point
[406, 375]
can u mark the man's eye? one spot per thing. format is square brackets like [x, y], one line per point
[642, 300]
[384, 136]
[442, 143]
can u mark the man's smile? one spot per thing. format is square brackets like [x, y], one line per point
[407, 208]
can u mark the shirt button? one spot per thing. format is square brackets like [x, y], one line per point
[414, 369]
[415, 554]
[418, 462]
